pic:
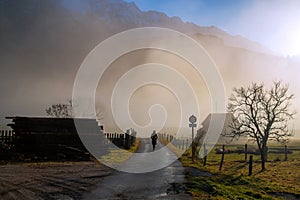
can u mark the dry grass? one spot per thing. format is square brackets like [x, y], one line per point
[174, 149]
[117, 156]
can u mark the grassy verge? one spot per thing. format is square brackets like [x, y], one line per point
[174, 149]
[117, 156]
[281, 180]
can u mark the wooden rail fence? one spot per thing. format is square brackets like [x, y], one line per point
[180, 142]
[7, 137]
[122, 140]
[184, 144]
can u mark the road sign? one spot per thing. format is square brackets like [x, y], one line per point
[192, 125]
[193, 119]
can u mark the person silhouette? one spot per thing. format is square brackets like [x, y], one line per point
[154, 139]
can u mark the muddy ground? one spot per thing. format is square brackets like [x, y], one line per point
[56, 180]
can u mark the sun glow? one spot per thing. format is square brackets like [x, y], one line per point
[291, 44]
[295, 43]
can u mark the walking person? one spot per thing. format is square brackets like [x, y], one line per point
[154, 139]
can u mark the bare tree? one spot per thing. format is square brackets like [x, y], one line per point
[66, 111]
[261, 114]
[60, 110]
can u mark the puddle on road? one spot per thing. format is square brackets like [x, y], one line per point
[174, 189]
[159, 195]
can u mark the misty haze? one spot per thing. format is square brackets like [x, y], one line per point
[54, 146]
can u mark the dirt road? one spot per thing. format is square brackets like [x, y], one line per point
[49, 180]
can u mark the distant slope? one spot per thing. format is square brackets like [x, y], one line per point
[44, 42]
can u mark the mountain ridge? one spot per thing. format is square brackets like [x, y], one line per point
[44, 42]
[154, 18]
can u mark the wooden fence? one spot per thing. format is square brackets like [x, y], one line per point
[178, 142]
[7, 138]
[122, 140]
[184, 144]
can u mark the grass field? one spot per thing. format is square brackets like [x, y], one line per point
[281, 180]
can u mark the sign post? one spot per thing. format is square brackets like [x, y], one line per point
[193, 124]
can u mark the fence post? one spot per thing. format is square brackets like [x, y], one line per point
[122, 140]
[246, 151]
[127, 140]
[9, 139]
[119, 140]
[2, 135]
[205, 155]
[6, 137]
[250, 165]
[222, 159]
[14, 139]
[133, 136]
[285, 153]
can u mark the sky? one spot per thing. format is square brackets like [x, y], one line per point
[273, 23]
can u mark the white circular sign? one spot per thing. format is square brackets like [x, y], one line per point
[193, 119]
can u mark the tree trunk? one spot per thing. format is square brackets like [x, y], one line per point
[265, 150]
[263, 162]
[263, 156]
